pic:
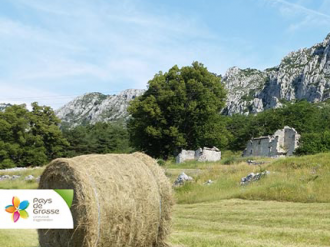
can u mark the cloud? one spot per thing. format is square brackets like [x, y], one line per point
[303, 16]
[81, 43]
[73, 47]
[308, 11]
[26, 95]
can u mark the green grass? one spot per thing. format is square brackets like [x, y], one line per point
[295, 179]
[235, 222]
[290, 207]
[19, 238]
[232, 223]
[20, 183]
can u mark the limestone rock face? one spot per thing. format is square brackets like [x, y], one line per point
[96, 107]
[282, 143]
[304, 74]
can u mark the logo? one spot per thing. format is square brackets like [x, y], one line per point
[17, 209]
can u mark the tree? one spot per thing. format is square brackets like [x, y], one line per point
[77, 137]
[29, 138]
[312, 143]
[98, 138]
[44, 126]
[239, 126]
[180, 109]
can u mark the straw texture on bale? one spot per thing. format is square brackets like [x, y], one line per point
[119, 200]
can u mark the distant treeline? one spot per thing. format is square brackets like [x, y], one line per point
[33, 138]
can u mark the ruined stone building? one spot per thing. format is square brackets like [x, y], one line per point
[202, 155]
[282, 143]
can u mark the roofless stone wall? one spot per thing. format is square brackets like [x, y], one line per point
[282, 143]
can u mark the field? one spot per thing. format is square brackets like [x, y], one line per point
[289, 207]
[237, 222]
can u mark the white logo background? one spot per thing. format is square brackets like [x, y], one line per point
[62, 220]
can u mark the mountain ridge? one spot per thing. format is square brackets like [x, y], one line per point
[302, 74]
[97, 107]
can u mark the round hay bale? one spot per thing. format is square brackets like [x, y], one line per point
[119, 200]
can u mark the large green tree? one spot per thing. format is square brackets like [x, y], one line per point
[29, 137]
[180, 109]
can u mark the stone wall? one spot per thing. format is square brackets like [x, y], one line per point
[208, 154]
[205, 154]
[260, 146]
[185, 155]
[282, 143]
[291, 139]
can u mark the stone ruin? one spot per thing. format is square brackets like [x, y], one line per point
[185, 155]
[205, 154]
[282, 143]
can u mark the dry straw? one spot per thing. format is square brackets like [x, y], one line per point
[119, 200]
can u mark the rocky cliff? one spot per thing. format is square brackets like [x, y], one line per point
[304, 74]
[97, 107]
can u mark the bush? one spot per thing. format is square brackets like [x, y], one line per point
[7, 163]
[161, 162]
[229, 161]
[312, 143]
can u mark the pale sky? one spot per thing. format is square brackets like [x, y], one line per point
[53, 51]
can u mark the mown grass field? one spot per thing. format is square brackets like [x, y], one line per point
[289, 207]
[19, 238]
[237, 222]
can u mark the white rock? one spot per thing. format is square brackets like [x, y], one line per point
[14, 177]
[209, 182]
[253, 177]
[14, 169]
[29, 177]
[5, 177]
[182, 178]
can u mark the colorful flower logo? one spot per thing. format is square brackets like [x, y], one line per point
[17, 209]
